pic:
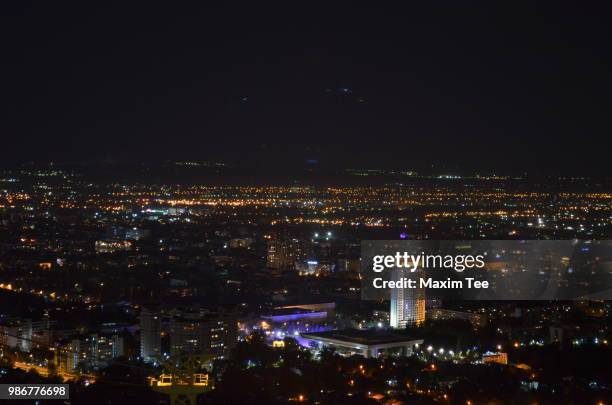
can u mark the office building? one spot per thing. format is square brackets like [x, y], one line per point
[407, 304]
[284, 253]
[208, 333]
[150, 334]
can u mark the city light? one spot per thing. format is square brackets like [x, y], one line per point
[245, 205]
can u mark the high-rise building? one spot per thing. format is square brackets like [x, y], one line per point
[16, 333]
[209, 333]
[283, 253]
[150, 334]
[407, 304]
[69, 355]
[92, 350]
[106, 348]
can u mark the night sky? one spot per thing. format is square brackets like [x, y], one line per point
[499, 85]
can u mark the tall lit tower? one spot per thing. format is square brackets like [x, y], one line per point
[407, 304]
[150, 334]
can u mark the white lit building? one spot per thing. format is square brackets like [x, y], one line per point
[407, 304]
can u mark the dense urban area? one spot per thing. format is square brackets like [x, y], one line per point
[142, 291]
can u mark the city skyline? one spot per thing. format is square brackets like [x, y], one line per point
[105, 281]
[256, 203]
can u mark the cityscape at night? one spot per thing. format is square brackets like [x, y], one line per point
[104, 282]
[210, 205]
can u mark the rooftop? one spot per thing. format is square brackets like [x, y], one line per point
[362, 336]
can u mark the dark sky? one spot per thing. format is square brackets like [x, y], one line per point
[492, 84]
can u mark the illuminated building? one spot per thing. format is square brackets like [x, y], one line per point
[107, 348]
[292, 320]
[277, 255]
[150, 334]
[407, 304]
[293, 314]
[69, 355]
[370, 343]
[477, 320]
[112, 246]
[313, 268]
[284, 253]
[211, 334]
[16, 333]
[329, 307]
[282, 322]
[45, 265]
[91, 351]
[489, 357]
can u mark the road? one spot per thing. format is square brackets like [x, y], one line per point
[45, 373]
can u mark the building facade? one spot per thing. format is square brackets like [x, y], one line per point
[150, 334]
[407, 304]
[211, 334]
